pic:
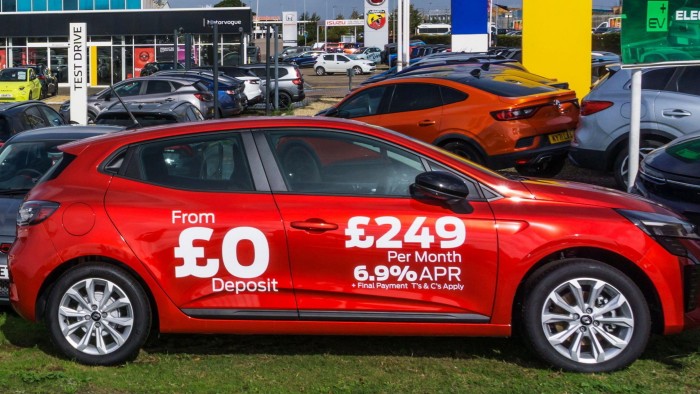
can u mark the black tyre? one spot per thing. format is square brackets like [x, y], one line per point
[546, 169]
[97, 314]
[320, 71]
[621, 166]
[284, 100]
[357, 70]
[585, 316]
[465, 150]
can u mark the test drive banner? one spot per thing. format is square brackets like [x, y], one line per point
[660, 33]
[376, 23]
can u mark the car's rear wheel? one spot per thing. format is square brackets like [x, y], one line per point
[585, 316]
[98, 314]
[465, 150]
[357, 70]
[320, 71]
[545, 169]
[621, 166]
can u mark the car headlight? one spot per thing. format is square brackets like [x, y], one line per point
[676, 235]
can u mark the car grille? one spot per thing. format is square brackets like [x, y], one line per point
[671, 190]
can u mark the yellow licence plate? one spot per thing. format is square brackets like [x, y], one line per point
[561, 137]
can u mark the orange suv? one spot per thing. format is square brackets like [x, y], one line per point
[488, 119]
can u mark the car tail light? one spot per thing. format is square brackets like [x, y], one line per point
[299, 80]
[254, 82]
[41, 77]
[514, 114]
[5, 247]
[591, 107]
[204, 96]
[35, 212]
[230, 92]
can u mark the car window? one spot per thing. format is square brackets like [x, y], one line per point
[689, 81]
[451, 96]
[155, 87]
[415, 96]
[657, 79]
[193, 114]
[342, 58]
[131, 88]
[5, 129]
[32, 119]
[317, 162]
[202, 163]
[365, 103]
[53, 117]
[328, 57]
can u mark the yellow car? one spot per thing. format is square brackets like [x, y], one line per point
[19, 84]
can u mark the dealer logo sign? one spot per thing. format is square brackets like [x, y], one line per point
[375, 2]
[376, 19]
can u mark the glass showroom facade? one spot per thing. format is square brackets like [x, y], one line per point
[67, 5]
[120, 42]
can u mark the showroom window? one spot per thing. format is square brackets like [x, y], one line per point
[9, 5]
[39, 5]
[332, 163]
[205, 163]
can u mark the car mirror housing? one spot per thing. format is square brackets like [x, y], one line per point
[441, 188]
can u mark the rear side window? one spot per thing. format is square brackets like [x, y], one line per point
[155, 87]
[414, 97]
[32, 119]
[657, 79]
[451, 96]
[689, 81]
[204, 163]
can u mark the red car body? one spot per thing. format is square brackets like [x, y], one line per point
[289, 258]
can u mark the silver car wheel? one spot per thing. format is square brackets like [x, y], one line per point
[95, 316]
[624, 168]
[587, 320]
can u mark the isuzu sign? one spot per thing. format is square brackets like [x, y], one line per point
[660, 32]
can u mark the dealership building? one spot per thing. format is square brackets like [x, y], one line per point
[122, 35]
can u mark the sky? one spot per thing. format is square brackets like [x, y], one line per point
[328, 9]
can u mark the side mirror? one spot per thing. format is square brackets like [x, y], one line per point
[441, 188]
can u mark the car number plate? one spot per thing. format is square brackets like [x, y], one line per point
[3, 272]
[561, 137]
[5, 95]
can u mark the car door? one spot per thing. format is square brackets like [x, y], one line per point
[208, 229]
[361, 248]
[677, 107]
[414, 109]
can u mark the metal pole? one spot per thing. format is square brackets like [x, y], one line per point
[267, 70]
[175, 49]
[635, 120]
[277, 70]
[406, 32]
[188, 51]
[399, 37]
[216, 71]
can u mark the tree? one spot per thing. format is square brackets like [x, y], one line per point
[231, 3]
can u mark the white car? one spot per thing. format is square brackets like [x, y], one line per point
[330, 63]
[370, 53]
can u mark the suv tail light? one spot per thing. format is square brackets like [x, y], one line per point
[514, 114]
[591, 107]
[204, 97]
[35, 212]
[298, 80]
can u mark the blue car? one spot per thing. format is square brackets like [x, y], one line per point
[305, 59]
[231, 97]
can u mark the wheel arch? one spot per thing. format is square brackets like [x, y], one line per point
[454, 137]
[51, 279]
[603, 256]
[622, 141]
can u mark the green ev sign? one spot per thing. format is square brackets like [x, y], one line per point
[660, 32]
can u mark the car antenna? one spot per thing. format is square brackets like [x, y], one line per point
[136, 123]
[476, 73]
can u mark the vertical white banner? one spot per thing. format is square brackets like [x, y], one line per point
[289, 28]
[376, 23]
[77, 72]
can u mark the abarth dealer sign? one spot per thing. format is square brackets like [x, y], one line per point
[660, 32]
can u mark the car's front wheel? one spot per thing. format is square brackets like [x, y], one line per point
[320, 71]
[585, 316]
[357, 70]
[98, 314]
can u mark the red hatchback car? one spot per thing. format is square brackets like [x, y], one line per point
[323, 226]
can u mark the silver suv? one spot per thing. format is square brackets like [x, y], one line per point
[670, 109]
[149, 89]
[291, 82]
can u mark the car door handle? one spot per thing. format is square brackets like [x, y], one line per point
[425, 123]
[314, 225]
[676, 113]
